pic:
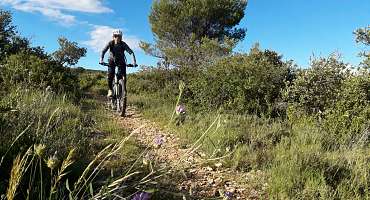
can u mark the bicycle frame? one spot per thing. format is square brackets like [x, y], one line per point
[118, 101]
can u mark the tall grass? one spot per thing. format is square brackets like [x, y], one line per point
[27, 165]
[54, 149]
[293, 152]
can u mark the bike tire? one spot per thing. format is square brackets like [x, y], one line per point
[122, 99]
[113, 99]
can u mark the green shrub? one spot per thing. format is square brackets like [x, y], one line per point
[317, 88]
[249, 83]
[93, 82]
[347, 120]
[32, 71]
[154, 80]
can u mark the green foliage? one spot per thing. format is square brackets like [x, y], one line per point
[317, 88]
[172, 20]
[7, 31]
[31, 117]
[199, 54]
[363, 37]
[157, 81]
[32, 71]
[58, 151]
[303, 168]
[181, 27]
[249, 83]
[53, 121]
[11, 42]
[245, 83]
[69, 52]
[91, 79]
[347, 121]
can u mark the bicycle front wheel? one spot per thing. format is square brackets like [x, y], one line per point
[122, 99]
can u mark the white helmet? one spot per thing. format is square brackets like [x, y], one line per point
[117, 32]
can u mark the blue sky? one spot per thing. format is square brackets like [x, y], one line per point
[297, 29]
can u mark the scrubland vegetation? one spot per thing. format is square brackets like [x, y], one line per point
[57, 141]
[306, 129]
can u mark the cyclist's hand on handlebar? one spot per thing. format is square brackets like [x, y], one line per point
[103, 63]
[132, 65]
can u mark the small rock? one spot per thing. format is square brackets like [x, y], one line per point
[218, 181]
[218, 165]
[209, 168]
[254, 194]
[210, 181]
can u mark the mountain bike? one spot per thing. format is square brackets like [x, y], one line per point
[118, 101]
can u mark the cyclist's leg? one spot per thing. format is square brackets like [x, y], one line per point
[122, 74]
[110, 74]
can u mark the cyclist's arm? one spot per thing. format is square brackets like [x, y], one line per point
[129, 50]
[103, 52]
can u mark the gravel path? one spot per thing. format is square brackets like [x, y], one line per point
[199, 179]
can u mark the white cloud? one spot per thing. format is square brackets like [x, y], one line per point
[56, 9]
[101, 35]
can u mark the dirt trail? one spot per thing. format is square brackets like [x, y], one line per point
[198, 179]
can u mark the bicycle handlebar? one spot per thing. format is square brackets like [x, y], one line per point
[128, 65]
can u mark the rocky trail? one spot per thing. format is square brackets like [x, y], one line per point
[198, 178]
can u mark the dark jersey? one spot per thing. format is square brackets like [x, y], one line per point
[117, 52]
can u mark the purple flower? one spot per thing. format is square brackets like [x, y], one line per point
[180, 109]
[159, 140]
[228, 195]
[141, 196]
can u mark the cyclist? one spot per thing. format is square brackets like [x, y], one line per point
[117, 48]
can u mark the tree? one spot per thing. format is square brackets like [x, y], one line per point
[363, 37]
[69, 52]
[11, 42]
[7, 31]
[181, 26]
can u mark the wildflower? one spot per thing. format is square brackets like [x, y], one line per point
[141, 196]
[158, 141]
[39, 150]
[53, 162]
[180, 109]
[228, 195]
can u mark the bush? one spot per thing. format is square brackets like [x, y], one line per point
[317, 88]
[155, 81]
[92, 81]
[34, 72]
[347, 120]
[247, 83]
